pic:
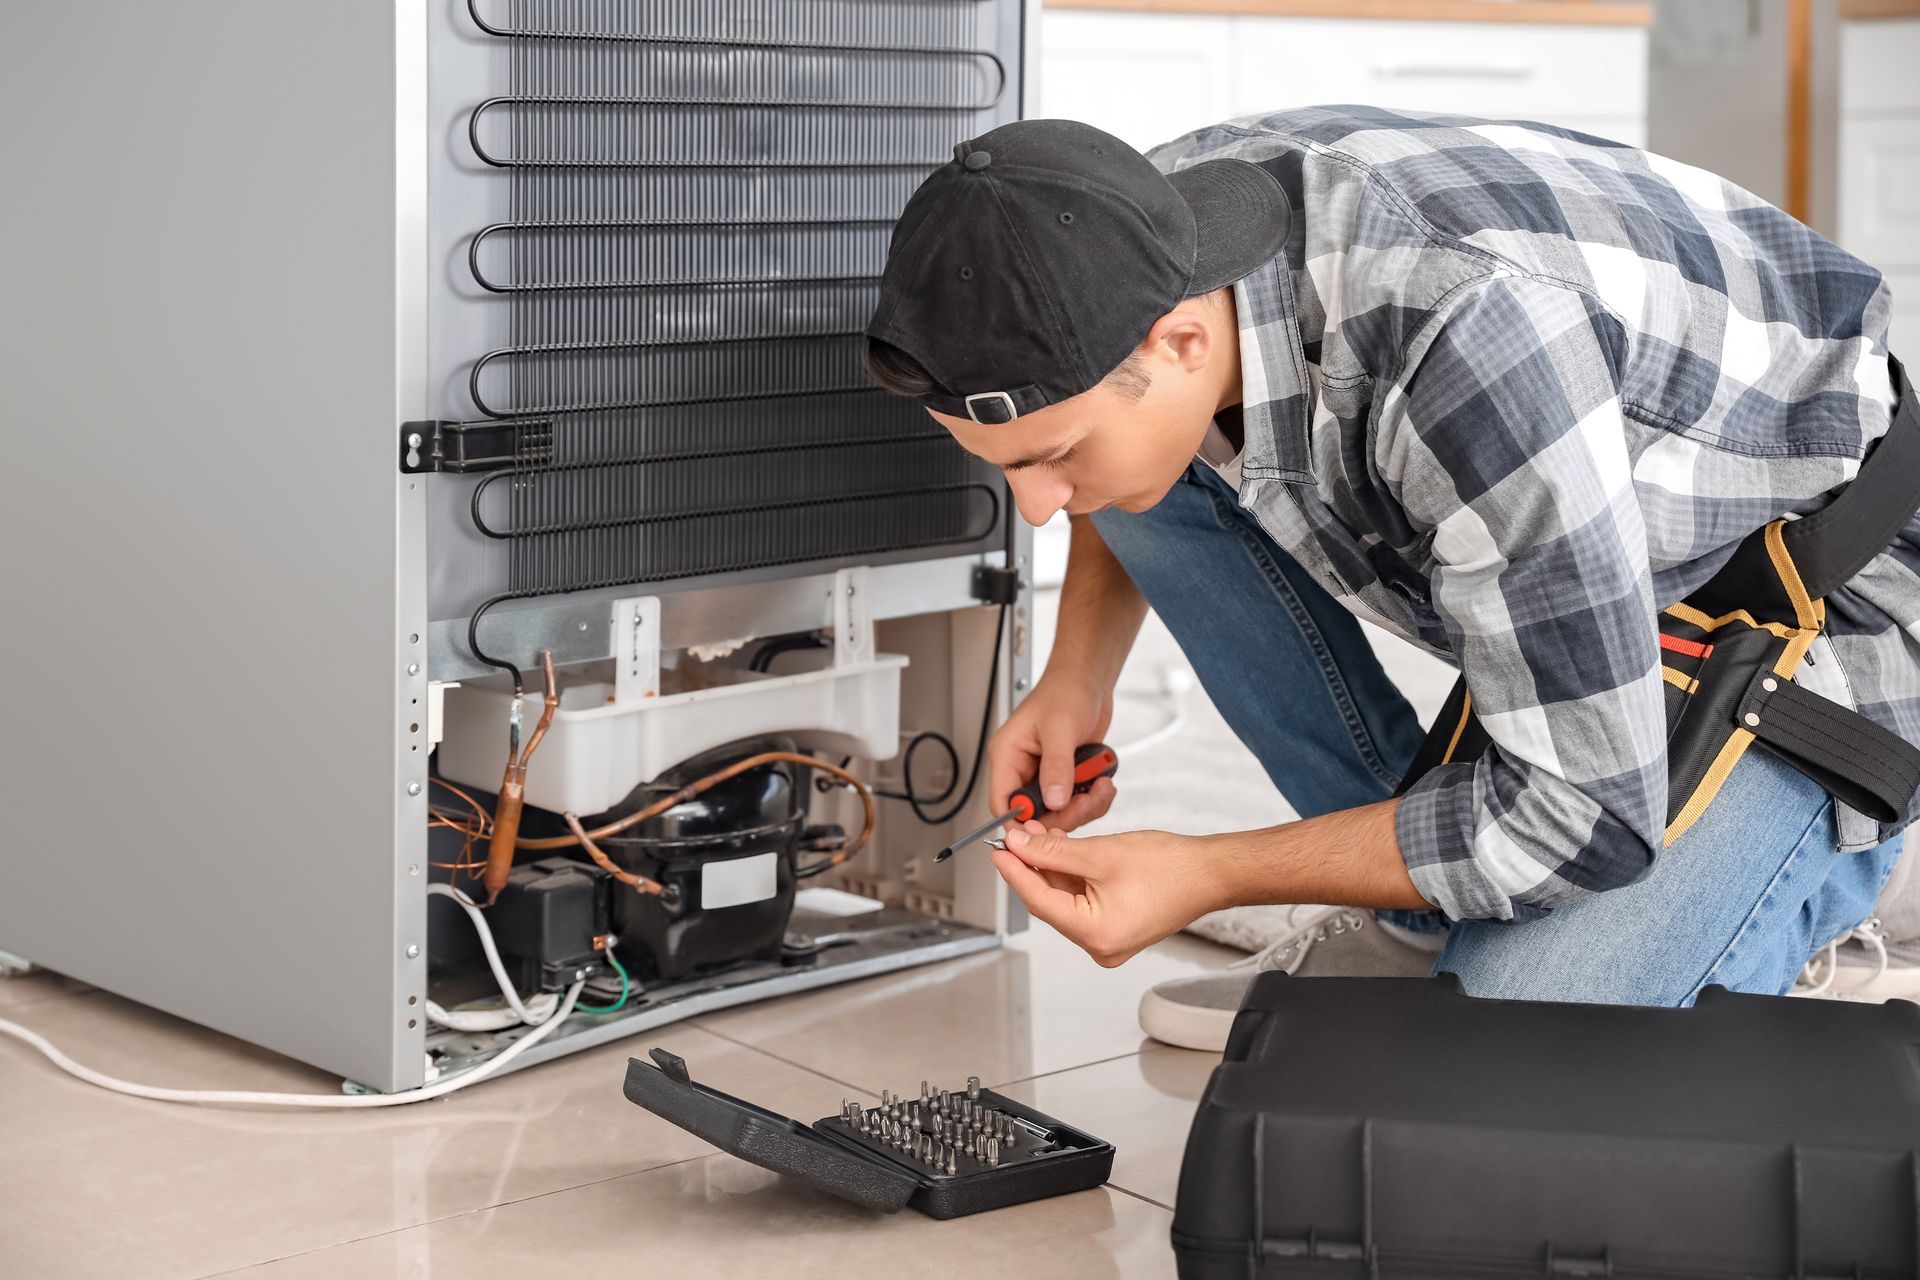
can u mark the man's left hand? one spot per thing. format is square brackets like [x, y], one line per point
[1116, 895]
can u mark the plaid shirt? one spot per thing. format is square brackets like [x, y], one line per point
[1509, 392]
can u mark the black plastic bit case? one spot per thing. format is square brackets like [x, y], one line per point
[1395, 1128]
[838, 1159]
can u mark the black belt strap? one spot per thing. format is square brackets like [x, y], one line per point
[1857, 761]
[1836, 542]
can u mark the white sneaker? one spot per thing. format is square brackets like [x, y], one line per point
[1197, 1012]
[1862, 965]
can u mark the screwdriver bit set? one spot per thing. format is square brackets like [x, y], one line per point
[945, 1152]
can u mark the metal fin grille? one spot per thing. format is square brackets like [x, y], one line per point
[702, 193]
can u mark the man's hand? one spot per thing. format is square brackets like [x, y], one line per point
[1037, 741]
[1116, 895]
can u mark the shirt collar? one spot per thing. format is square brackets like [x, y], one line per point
[1276, 394]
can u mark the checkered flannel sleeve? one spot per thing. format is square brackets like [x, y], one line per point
[1504, 439]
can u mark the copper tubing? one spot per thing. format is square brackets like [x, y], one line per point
[585, 838]
[640, 884]
[513, 792]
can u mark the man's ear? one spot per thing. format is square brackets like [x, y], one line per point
[1182, 337]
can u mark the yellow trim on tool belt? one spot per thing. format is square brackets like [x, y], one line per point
[1710, 785]
[1807, 611]
[1679, 679]
[1687, 613]
[1466, 714]
[1810, 613]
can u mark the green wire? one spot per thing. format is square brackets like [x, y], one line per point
[626, 986]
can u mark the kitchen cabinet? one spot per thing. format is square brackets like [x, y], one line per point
[1148, 77]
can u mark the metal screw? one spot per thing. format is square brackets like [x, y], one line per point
[413, 668]
[849, 588]
[413, 788]
[413, 868]
[413, 950]
[413, 440]
[1021, 684]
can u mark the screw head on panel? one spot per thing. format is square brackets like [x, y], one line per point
[413, 950]
[413, 788]
[413, 668]
[1021, 684]
[413, 440]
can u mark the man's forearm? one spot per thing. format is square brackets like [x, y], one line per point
[1100, 609]
[1350, 859]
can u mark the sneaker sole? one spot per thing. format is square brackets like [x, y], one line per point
[1183, 1025]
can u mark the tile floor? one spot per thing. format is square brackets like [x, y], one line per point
[551, 1171]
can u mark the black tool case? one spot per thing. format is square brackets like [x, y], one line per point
[1047, 1159]
[1396, 1128]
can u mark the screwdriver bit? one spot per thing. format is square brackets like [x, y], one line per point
[973, 1087]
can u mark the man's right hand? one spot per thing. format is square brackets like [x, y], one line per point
[1038, 740]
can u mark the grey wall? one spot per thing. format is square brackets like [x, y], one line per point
[1717, 93]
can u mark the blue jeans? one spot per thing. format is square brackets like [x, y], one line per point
[1741, 900]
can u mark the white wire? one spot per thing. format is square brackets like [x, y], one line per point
[238, 1097]
[533, 1012]
[543, 1013]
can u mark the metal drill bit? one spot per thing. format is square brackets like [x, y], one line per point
[973, 1087]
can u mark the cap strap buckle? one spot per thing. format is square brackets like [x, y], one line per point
[992, 408]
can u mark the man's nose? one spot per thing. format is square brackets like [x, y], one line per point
[1037, 496]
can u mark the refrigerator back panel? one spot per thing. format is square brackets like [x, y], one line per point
[658, 230]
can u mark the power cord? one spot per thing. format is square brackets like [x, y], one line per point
[239, 1097]
[543, 1013]
[918, 803]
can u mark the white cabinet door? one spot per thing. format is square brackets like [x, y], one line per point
[1592, 79]
[1144, 77]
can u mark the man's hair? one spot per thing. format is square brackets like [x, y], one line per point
[891, 369]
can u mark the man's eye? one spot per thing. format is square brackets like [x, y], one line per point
[1062, 460]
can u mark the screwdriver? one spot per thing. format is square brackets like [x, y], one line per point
[1091, 762]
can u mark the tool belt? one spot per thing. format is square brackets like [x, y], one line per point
[1729, 651]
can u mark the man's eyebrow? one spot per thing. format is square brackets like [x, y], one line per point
[1034, 460]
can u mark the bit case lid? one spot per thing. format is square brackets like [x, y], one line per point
[829, 1156]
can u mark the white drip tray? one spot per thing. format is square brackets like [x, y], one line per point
[599, 750]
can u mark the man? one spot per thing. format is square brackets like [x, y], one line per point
[1507, 391]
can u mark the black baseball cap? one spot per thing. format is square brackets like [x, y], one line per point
[1026, 270]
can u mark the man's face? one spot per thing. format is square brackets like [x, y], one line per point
[1103, 448]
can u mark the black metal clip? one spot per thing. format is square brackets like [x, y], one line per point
[462, 447]
[994, 585]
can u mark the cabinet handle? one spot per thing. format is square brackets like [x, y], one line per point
[1454, 70]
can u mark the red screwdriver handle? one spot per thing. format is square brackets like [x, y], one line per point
[1091, 762]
